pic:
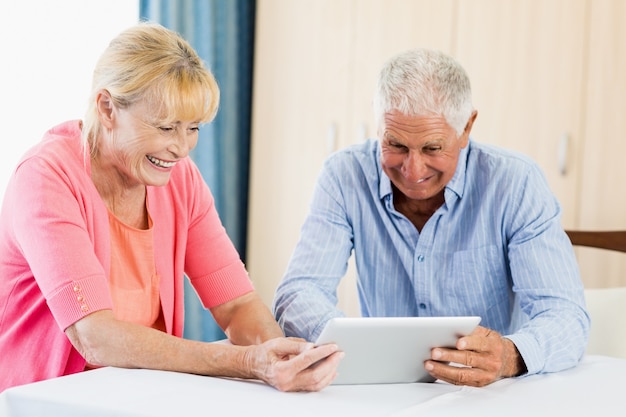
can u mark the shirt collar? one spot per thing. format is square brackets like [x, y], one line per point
[457, 183]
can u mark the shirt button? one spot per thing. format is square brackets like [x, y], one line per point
[420, 258]
[84, 308]
[80, 298]
[77, 288]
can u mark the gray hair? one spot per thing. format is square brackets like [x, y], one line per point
[422, 82]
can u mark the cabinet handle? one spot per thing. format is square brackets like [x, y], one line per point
[563, 148]
[331, 138]
[361, 134]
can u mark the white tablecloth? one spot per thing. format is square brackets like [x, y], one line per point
[592, 388]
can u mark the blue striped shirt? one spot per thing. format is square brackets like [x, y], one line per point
[495, 249]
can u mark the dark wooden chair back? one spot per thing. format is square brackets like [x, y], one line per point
[612, 240]
[606, 306]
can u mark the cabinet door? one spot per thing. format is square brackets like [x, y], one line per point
[383, 28]
[300, 99]
[602, 198]
[525, 60]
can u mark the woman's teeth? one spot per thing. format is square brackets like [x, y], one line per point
[160, 163]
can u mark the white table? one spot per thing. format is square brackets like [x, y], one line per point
[593, 388]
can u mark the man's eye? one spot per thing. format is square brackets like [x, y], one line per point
[431, 149]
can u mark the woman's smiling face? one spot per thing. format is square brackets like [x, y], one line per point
[142, 149]
[420, 153]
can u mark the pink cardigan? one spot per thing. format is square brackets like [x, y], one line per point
[55, 254]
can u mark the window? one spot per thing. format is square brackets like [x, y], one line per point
[49, 51]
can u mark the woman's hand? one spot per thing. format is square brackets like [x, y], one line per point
[290, 364]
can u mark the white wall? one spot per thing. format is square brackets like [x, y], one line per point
[48, 51]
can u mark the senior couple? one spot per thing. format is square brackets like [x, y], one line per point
[102, 220]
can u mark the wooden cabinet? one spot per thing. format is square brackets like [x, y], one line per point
[316, 63]
[602, 197]
[548, 79]
[380, 30]
[300, 96]
[525, 60]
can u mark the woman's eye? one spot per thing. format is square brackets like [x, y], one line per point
[167, 130]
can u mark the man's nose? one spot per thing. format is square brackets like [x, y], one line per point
[413, 167]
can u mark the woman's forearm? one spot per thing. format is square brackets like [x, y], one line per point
[105, 341]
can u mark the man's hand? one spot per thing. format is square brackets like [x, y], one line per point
[294, 365]
[484, 357]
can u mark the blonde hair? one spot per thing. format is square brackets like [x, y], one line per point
[422, 82]
[150, 63]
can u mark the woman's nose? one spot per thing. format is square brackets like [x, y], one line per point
[181, 146]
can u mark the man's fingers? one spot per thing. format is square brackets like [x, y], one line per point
[480, 340]
[476, 361]
[459, 375]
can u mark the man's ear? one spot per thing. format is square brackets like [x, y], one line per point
[468, 128]
[104, 106]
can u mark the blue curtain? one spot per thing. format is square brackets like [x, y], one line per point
[222, 32]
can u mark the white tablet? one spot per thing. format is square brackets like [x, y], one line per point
[382, 350]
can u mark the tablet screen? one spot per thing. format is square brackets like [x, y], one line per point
[381, 350]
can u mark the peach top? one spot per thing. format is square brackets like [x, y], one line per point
[134, 280]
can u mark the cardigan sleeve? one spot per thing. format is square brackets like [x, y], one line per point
[52, 215]
[212, 262]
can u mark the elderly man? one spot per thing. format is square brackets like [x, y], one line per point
[440, 225]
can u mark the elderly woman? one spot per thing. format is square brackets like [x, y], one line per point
[102, 220]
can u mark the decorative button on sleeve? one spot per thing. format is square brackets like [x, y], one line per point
[80, 298]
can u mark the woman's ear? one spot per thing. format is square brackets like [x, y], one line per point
[104, 106]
